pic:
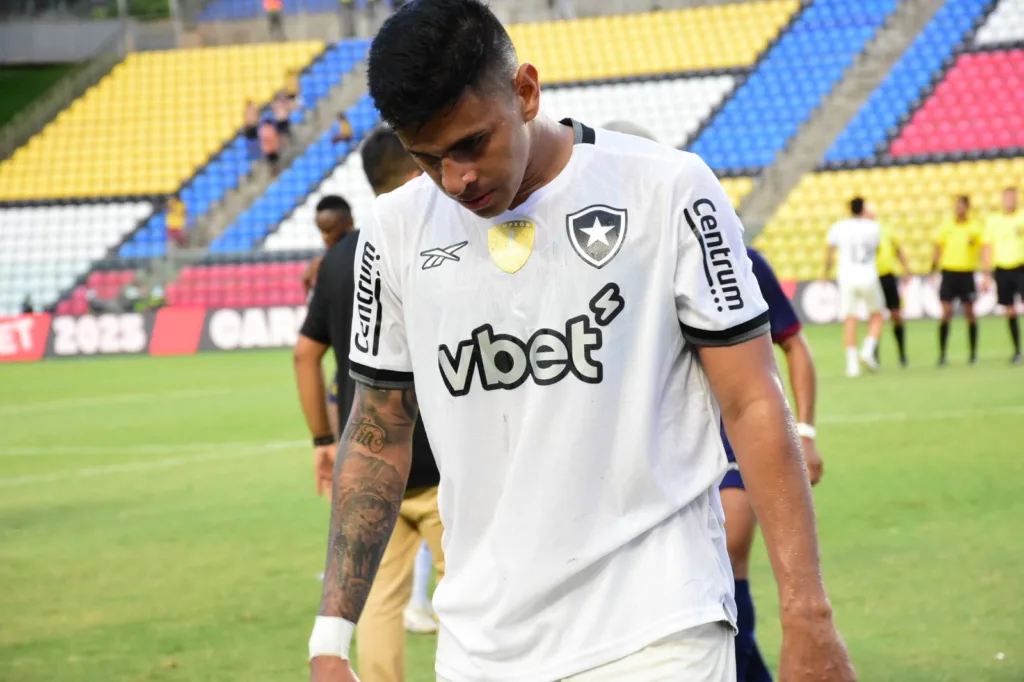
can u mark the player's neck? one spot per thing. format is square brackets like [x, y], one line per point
[550, 150]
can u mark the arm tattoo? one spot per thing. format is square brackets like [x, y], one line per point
[369, 482]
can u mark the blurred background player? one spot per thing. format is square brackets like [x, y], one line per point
[957, 250]
[381, 628]
[856, 239]
[740, 522]
[1004, 248]
[889, 254]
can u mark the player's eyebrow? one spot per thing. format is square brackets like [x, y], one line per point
[463, 142]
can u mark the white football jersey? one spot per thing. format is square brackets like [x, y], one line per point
[553, 354]
[856, 241]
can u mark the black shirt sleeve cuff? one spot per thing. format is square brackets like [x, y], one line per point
[745, 331]
[380, 378]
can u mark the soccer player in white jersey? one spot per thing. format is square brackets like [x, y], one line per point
[856, 240]
[574, 313]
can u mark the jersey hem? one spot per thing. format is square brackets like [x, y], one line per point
[728, 337]
[380, 378]
[607, 654]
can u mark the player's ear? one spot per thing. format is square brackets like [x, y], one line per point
[527, 86]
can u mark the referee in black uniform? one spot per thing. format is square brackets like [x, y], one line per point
[381, 629]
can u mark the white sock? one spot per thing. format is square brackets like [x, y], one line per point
[851, 358]
[870, 343]
[421, 576]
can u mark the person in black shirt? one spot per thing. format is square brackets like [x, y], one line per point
[381, 630]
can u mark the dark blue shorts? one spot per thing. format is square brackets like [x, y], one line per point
[732, 476]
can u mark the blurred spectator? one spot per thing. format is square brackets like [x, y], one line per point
[291, 89]
[348, 18]
[275, 18]
[177, 221]
[282, 110]
[270, 144]
[344, 132]
[26, 305]
[251, 121]
[130, 295]
[562, 9]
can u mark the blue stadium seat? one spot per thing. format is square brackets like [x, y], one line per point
[908, 79]
[790, 82]
[288, 190]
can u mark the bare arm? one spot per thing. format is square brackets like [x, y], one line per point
[830, 256]
[936, 255]
[310, 380]
[747, 385]
[369, 482]
[902, 257]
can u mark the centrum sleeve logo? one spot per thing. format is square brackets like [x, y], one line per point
[503, 361]
[367, 337]
[716, 255]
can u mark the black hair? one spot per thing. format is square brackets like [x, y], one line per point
[385, 159]
[964, 198]
[332, 202]
[428, 53]
[857, 206]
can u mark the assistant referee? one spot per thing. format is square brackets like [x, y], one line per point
[380, 637]
[1004, 247]
[957, 250]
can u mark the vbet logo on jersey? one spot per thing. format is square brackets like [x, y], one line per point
[597, 233]
[505, 362]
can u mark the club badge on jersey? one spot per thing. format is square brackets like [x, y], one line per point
[510, 243]
[597, 233]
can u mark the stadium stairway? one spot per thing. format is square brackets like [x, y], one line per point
[807, 148]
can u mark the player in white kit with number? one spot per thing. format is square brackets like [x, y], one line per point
[855, 240]
[573, 311]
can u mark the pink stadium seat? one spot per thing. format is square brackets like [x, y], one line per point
[979, 106]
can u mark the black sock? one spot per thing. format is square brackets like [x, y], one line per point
[897, 331]
[1015, 334]
[943, 338]
[972, 336]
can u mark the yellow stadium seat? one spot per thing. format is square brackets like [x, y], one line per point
[911, 200]
[723, 36]
[145, 127]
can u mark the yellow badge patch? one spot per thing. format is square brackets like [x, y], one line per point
[511, 244]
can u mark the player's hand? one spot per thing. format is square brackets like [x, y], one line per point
[814, 651]
[323, 468]
[815, 466]
[986, 284]
[331, 669]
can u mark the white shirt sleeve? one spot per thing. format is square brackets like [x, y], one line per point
[718, 300]
[379, 354]
[832, 239]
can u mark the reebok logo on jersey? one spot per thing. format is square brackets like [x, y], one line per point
[367, 337]
[503, 361]
[597, 233]
[718, 267]
[435, 257]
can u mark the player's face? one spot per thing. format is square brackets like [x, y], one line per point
[1010, 200]
[477, 152]
[332, 225]
[961, 208]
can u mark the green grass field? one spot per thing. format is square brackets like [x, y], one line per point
[158, 522]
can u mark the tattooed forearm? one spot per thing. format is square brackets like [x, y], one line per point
[369, 482]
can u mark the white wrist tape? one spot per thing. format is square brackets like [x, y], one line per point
[806, 431]
[331, 637]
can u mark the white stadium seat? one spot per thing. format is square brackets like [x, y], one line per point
[43, 250]
[1004, 25]
[671, 109]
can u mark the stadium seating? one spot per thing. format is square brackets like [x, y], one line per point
[715, 37]
[236, 159]
[912, 200]
[151, 123]
[1004, 25]
[979, 106]
[907, 80]
[790, 82]
[241, 285]
[43, 250]
[105, 285]
[672, 108]
[226, 10]
[297, 181]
